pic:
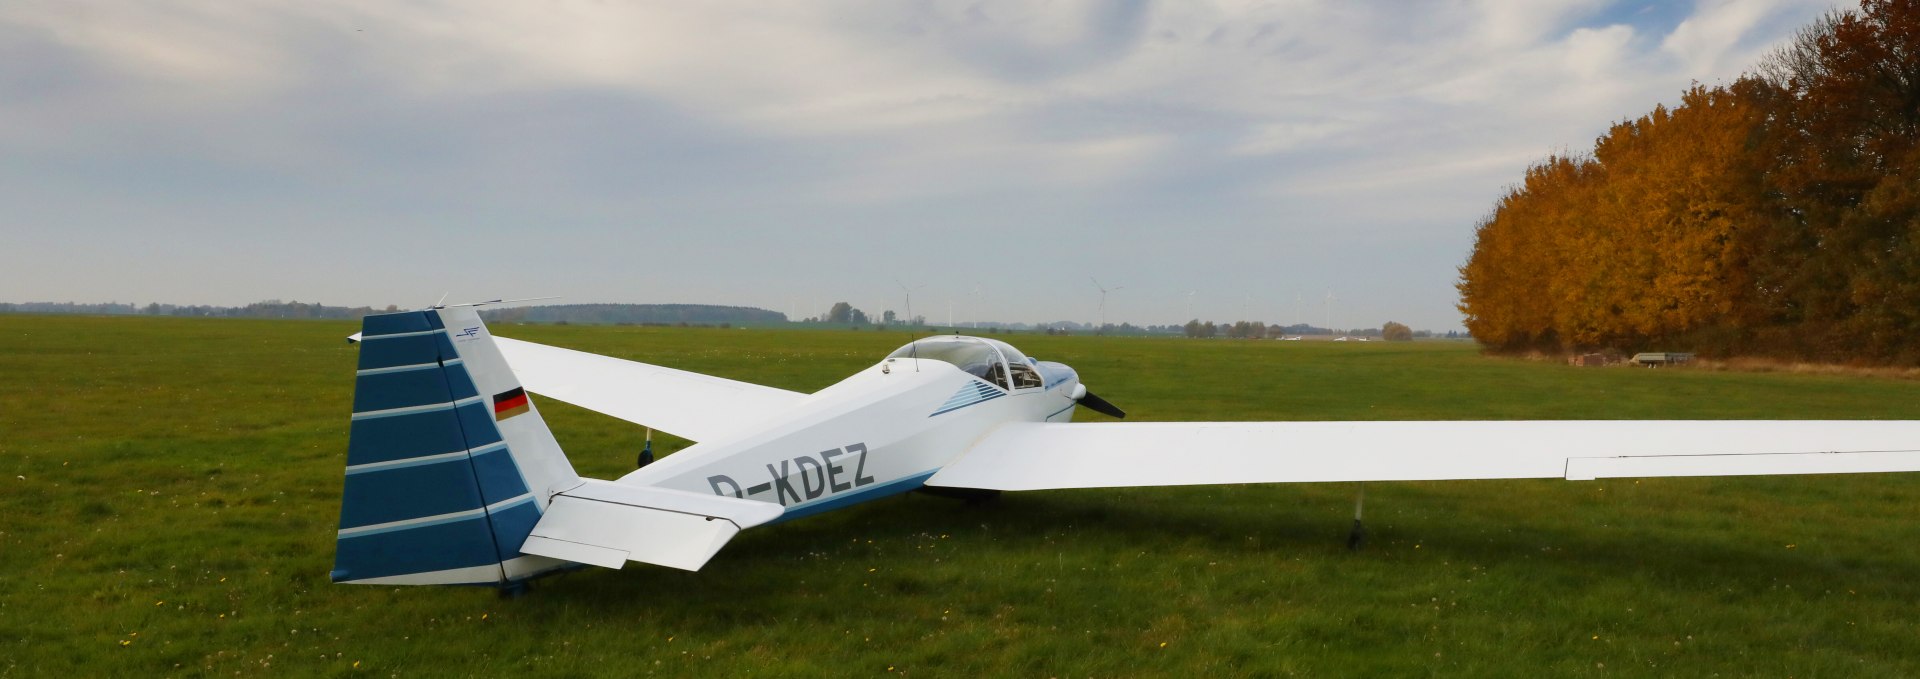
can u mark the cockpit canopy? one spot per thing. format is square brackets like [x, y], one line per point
[991, 360]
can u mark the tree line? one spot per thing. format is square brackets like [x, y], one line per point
[636, 314]
[1778, 215]
[272, 308]
[1391, 331]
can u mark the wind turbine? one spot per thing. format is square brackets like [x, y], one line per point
[975, 297]
[909, 293]
[1103, 301]
[1190, 303]
[1329, 313]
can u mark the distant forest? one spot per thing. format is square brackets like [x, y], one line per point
[268, 309]
[699, 315]
[1775, 216]
[636, 314]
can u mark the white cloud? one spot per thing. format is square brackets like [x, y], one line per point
[207, 45]
[862, 113]
[1518, 25]
[1704, 41]
[1593, 53]
[1271, 138]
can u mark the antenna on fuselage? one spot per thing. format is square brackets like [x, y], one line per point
[913, 343]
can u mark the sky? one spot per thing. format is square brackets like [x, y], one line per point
[1220, 160]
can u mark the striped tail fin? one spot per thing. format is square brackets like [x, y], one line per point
[449, 465]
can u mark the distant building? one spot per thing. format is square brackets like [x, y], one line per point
[1653, 359]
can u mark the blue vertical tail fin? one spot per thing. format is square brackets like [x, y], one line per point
[449, 464]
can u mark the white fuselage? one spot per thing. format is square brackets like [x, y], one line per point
[881, 431]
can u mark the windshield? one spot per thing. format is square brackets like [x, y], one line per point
[970, 355]
[1006, 350]
[1019, 367]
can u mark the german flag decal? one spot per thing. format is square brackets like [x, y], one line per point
[509, 403]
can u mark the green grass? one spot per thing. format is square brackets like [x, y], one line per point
[169, 491]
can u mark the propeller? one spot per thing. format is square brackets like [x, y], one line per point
[1088, 400]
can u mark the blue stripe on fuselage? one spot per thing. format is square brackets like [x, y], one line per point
[874, 492]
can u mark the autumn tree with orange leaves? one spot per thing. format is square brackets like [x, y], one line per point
[1778, 215]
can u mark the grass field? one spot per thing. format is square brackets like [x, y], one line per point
[171, 491]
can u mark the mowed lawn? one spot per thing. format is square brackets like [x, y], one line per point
[169, 492]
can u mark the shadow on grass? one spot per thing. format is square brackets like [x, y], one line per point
[773, 570]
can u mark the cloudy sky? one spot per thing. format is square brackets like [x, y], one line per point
[1213, 159]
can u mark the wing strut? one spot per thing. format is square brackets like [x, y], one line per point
[1357, 538]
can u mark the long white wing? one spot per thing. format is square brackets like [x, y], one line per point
[1027, 456]
[687, 404]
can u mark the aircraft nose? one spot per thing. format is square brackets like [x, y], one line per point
[1088, 400]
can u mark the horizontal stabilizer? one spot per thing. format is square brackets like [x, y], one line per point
[608, 524]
